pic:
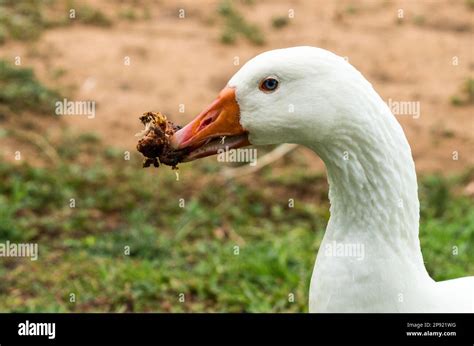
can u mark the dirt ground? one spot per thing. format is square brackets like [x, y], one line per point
[177, 61]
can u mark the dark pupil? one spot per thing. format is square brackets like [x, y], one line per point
[270, 84]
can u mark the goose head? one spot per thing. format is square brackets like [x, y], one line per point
[293, 95]
[312, 97]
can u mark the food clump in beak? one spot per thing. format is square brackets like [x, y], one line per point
[154, 143]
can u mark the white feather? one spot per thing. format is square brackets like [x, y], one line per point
[324, 103]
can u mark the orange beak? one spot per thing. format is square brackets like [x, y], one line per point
[216, 128]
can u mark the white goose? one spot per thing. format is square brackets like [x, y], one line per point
[312, 97]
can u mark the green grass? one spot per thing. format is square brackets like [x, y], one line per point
[127, 245]
[25, 20]
[174, 250]
[419, 20]
[280, 22]
[447, 227]
[20, 90]
[92, 16]
[235, 25]
[351, 9]
[467, 94]
[133, 14]
[21, 20]
[190, 250]
[128, 14]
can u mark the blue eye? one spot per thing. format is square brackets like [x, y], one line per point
[269, 84]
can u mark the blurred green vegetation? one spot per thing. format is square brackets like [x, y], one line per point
[21, 20]
[173, 250]
[90, 16]
[191, 249]
[25, 20]
[280, 22]
[235, 24]
[234, 246]
[447, 226]
[132, 14]
[21, 91]
[466, 96]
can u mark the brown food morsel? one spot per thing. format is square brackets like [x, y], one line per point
[155, 143]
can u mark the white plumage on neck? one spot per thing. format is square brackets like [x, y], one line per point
[375, 209]
[327, 105]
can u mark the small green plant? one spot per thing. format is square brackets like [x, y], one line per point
[469, 89]
[20, 90]
[146, 13]
[236, 24]
[3, 35]
[57, 73]
[92, 16]
[419, 20]
[467, 94]
[448, 133]
[21, 20]
[228, 37]
[26, 20]
[456, 101]
[351, 9]
[128, 14]
[280, 22]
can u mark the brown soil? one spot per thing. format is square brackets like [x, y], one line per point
[175, 62]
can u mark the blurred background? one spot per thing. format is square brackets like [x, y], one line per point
[75, 186]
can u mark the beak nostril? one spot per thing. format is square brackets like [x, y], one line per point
[208, 120]
[220, 118]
